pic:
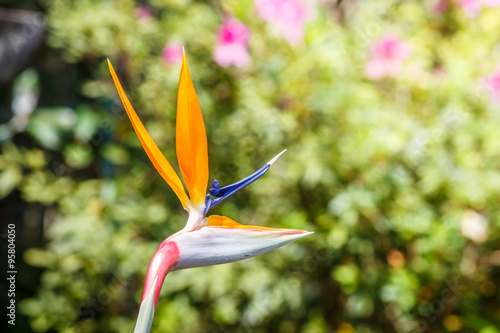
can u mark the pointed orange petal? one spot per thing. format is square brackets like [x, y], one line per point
[226, 222]
[222, 221]
[155, 155]
[191, 140]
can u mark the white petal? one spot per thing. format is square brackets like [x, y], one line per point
[195, 219]
[219, 245]
[271, 162]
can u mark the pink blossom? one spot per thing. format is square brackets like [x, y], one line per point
[233, 31]
[172, 53]
[439, 72]
[472, 8]
[232, 42]
[440, 6]
[491, 3]
[288, 16]
[492, 84]
[387, 56]
[142, 13]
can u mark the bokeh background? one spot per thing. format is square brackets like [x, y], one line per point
[391, 115]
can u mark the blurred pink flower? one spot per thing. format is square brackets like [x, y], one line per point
[172, 53]
[232, 42]
[288, 16]
[142, 13]
[440, 6]
[472, 8]
[439, 72]
[387, 56]
[492, 84]
[491, 3]
[233, 31]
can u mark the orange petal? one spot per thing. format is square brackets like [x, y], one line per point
[226, 222]
[155, 155]
[191, 140]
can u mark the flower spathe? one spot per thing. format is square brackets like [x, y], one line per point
[204, 240]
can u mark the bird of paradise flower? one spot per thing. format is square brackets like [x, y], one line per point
[204, 240]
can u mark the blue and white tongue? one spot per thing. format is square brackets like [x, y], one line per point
[146, 312]
[223, 193]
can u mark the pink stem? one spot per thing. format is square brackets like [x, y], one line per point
[164, 258]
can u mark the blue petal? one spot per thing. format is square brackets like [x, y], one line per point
[208, 204]
[223, 193]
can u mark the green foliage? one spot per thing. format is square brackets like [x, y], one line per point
[384, 172]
